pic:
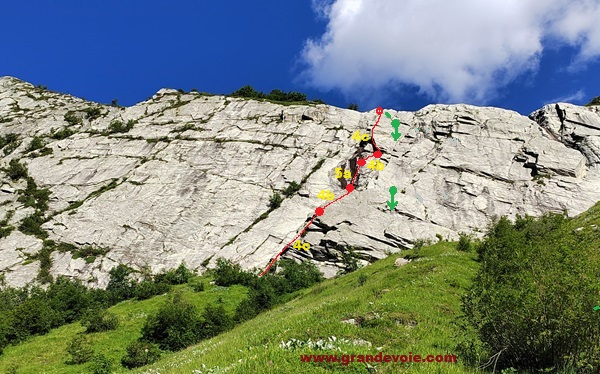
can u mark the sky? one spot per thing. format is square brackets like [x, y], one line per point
[398, 54]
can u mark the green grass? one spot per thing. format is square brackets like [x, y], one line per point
[426, 292]
[48, 354]
[415, 315]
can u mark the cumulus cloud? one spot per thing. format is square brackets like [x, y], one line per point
[460, 50]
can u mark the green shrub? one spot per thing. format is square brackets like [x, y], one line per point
[34, 197]
[198, 287]
[299, 275]
[80, 349]
[73, 119]
[99, 320]
[120, 287]
[227, 273]
[262, 294]
[350, 260]
[245, 310]
[275, 201]
[9, 142]
[362, 279]
[140, 353]
[594, 101]
[16, 170]
[32, 225]
[533, 295]
[146, 289]
[92, 113]
[464, 242]
[248, 91]
[62, 134]
[27, 312]
[215, 321]
[119, 127]
[35, 144]
[180, 275]
[353, 107]
[69, 297]
[291, 189]
[175, 326]
[101, 364]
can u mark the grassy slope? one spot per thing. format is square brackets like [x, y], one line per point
[47, 353]
[426, 291]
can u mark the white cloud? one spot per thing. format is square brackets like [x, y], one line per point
[572, 98]
[459, 50]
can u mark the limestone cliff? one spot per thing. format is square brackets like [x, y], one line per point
[188, 177]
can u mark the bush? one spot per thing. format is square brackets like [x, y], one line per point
[275, 201]
[146, 289]
[101, 365]
[227, 274]
[72, 119]
[68, 297]
[248, 91]
[175, 326]
[533, 295]
[34, 317]
[180, 275]
[9, 142]
[198, 287]
[245, 310]
[80, 349]
[16, 170]
[99, 320]
[299, 275]
[216, 321]
[35, 144]
[350, 260]
[120, 287]
[140, 353]
[32, 225]
[92, 113]
[362, 279]
[464, 242]
[62, 134]
[34, 197]
[353, 107]
[120, 127]
[262, 294]
[595, 101]
[291, 189]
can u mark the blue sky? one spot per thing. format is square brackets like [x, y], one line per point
[398, 54]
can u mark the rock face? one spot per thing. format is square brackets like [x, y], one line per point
[188, 177]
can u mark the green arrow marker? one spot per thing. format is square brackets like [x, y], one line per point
[388, 115]
[392, 204]
[396, 125]
[597, 307]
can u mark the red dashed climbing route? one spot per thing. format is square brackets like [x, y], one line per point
[319, 211]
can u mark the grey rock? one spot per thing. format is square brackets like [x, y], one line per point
[190, 181]
[401, 262]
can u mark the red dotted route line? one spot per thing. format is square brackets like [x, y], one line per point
[349, 188]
